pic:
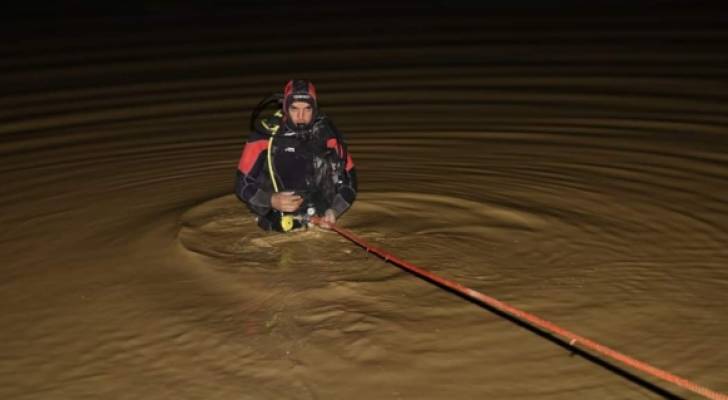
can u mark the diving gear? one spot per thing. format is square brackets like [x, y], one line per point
[309, 159]
[257, 123]
[286, 222]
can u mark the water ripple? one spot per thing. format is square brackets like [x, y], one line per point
[575, 167]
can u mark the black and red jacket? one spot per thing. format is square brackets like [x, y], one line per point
[316, 165]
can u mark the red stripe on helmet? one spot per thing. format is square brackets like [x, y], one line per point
[312, 91]
[288, 89]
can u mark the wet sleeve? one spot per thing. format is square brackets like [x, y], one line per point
[251, 174]
[345, 192]
[346, 187]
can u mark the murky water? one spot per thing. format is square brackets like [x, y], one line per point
[575, 168]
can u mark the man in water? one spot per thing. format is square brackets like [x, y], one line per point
[295, 164]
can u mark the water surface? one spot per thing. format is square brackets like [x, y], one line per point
[574, 167]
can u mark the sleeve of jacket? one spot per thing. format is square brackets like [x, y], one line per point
[251, 175]
[346, 187]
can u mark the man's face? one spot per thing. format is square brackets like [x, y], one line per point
[300, 112]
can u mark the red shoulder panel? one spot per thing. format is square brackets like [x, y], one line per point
[251, 151]
[334, 144]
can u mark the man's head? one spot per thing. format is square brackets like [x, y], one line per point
[299, 104]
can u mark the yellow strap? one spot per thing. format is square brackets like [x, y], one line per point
[273, 129]
[286, 220]
[270, 164]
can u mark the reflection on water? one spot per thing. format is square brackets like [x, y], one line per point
[577, 171]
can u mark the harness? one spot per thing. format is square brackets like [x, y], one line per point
[287, 220]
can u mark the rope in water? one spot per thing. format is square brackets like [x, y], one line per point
[574, 339]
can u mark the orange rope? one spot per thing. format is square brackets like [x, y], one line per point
[574, 339]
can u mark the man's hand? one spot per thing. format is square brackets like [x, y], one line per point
[286, 201]
[329, 218]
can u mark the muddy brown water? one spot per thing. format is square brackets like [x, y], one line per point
[576, 169]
